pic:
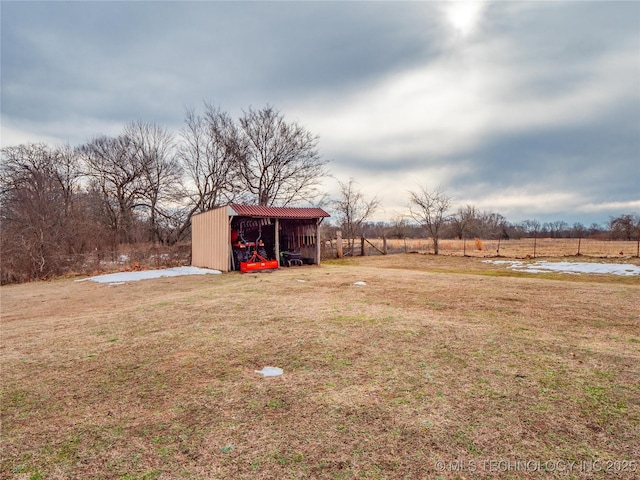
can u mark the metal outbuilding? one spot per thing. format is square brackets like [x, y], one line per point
[223, 238]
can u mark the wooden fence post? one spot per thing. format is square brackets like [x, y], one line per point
[579, 242]
[339, 243]
[362, 250]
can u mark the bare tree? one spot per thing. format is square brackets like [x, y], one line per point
[279, 161]
[531, 227]
[136, 174]
[209, 157]
[429, 209]
[491, 225]
[37, 189]
[625, 227]
[161, 173]
[117, 171]
[559, 228]
[399, 226]
[578, 230]
[464, 220]
[208, 154]
[596, 229]
[353, 210]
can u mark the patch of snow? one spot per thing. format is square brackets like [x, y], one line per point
[120, 278]
[509, 263]
[270, 372]
[623, 269]
[360, 284]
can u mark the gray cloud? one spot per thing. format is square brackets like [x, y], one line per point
[516, 105]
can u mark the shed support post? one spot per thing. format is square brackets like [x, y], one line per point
[231, 259]
[318, 251]
[277, 239]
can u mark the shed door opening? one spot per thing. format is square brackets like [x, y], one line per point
[296, 245]
[297, 242]
[253, 243]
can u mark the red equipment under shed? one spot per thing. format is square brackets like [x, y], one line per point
[257, 260]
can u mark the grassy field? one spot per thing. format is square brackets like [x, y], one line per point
[439, 368]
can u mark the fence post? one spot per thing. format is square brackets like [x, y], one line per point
[579, 242]
[362, 250]
[384, 244]
[339, 243]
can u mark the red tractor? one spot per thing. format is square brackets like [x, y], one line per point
[251, 256]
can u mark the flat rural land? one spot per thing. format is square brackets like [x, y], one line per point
[430, 367]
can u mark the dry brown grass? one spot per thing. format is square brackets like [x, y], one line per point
[435, 359]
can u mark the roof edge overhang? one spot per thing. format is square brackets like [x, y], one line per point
[258, 211]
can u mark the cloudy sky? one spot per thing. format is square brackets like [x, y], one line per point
[529, 109]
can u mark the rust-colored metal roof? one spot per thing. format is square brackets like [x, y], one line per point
[277, 212]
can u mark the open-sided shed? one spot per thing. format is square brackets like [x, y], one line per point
[227, 236]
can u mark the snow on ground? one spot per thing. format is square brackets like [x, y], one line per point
[120, 278]
[624, 269]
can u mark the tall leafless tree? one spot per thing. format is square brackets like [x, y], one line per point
[279, 160]
[353, 210]
[430, 210]
[161, 172]
[115, 166]
[208, 154]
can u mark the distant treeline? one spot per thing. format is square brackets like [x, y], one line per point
[492, 226]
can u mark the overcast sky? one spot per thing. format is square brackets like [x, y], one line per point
[528, 109]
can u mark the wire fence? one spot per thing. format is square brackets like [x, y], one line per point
[521, 248]
[150, 256]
